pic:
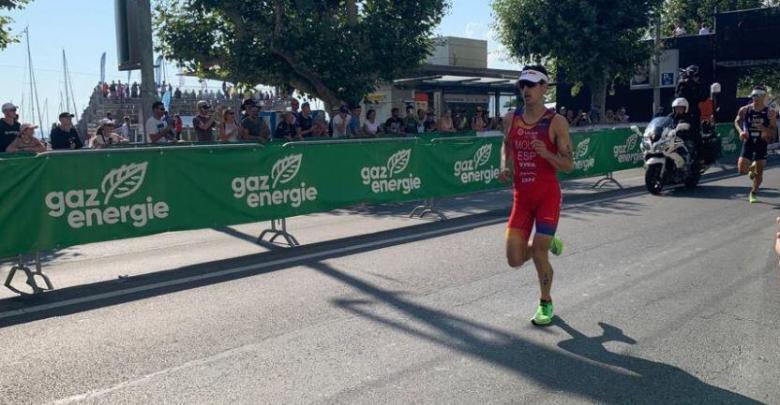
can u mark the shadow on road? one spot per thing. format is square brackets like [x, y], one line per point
[590, 370]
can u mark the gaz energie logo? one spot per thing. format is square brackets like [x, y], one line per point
[628, 153]
[103, 206]
[473, 170]
[581, 160]
[391, 177]
[266, 191]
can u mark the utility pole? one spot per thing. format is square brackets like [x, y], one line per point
[148, 87]
[656, 65]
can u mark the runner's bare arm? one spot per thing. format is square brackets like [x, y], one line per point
[506, 154]
[739, 120]
[564, 160]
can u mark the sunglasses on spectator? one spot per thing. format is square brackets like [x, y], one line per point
[523, 84]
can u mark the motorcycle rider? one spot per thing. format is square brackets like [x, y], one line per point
[681, 115]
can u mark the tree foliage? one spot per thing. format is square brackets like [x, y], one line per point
[335, 50]
[5, 36]
[591, 42]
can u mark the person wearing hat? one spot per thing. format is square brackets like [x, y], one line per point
[9, 126]
[536, 146]
[756, 124]
[26, 141]
[253, 127]
[65, 135]
[105, 135]
[204, 122]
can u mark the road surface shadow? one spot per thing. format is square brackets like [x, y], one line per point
[616, 378]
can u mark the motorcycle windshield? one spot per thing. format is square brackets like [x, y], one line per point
[655, 129]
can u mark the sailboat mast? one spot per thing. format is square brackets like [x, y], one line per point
[33, 85]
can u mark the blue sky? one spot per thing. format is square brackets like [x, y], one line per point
[85, 29]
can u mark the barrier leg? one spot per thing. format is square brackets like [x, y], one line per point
[608, 178]
[428, 208]
[32, 277]
[278, 228]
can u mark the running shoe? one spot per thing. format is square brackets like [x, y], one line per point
[544, 314]
[556, 246]
[752, 198]
[752, 171]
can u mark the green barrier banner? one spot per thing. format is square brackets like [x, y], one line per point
[62, 199]
[604, 151]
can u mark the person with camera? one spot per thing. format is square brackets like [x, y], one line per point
[689, 87]
[756, 124]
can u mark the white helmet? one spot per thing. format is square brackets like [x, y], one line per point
[680, 102]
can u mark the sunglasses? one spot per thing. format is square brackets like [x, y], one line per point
[523, 84]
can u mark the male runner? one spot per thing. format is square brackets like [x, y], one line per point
[755, 123]
[536, 146]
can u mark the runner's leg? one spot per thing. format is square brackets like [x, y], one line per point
[743, 165]
[540, 252]
[759, 175]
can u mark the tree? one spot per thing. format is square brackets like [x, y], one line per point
[5, 36]
[590, 42]
[335, 50]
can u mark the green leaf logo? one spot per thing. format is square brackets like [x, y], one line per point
[286, 169]
[398, 162]
[123, 181]
[482, 155]
[631, 142]
[582, 148]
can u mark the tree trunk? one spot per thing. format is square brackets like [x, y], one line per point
[598, 97]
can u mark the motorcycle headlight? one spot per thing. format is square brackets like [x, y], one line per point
[660, 145]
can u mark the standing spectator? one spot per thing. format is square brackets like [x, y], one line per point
[445, 123]
[254, 128]
[609, 117]
[177, 94]
[124, 130]
[429, 124]
[563, 111]
[26, 141]
[459, 121]
[178, 126]
[229, 130]
[104, 88]
[355, 127]
[305, 122]
[410, 121]
[204, 122]
[320, 126]
[65, 135]
[679, 30]
[371, 128]
[120, 90]
[420, 121]
[112, 89]
[621, 115]
[570, 117]
[105, 136]
[340, 122]
[394, 125]
[134, 91]
[479, 123]
[294, 105]
[9, 126]
[157, 128]
[582, 120]
[286, 129]
[705, 29]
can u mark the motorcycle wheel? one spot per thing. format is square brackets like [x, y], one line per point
[653, 180]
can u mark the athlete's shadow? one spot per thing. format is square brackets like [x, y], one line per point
[662, 382]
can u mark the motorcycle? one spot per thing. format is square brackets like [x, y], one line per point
[667, 158]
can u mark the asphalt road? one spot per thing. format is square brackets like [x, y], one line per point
[669, 299]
